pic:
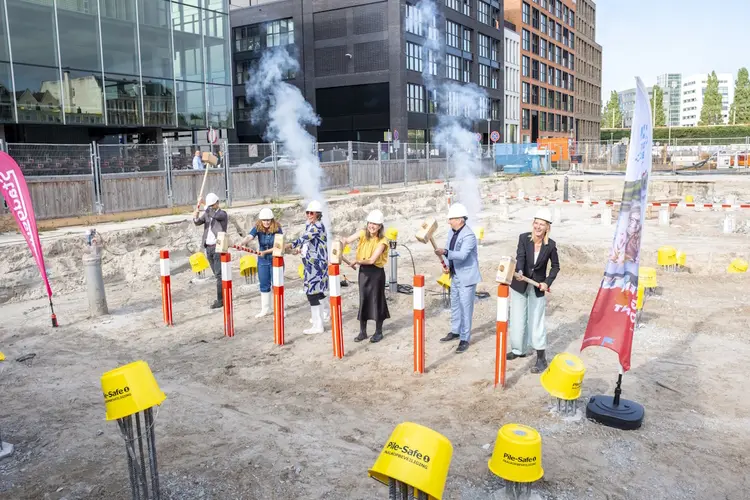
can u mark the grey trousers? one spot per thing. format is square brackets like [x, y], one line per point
[527, 312]
[462, 308]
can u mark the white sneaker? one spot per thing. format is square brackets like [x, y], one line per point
[317, 322]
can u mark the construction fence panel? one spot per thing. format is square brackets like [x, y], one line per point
[253, 171]
[365, 171]
[133, 177]
[186, 182]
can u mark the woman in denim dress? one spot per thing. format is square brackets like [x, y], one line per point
[265, 231]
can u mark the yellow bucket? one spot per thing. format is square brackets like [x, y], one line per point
[2, 357]
[301, 271]
[564, 376]
[417, 456]
[480, 233]
[248, 265]
[737, 266]
[666, 256]
[639, 301]
[689, 198]
[681, 258]
[347, 249]
[517, 456]
[444, 280]
[130, 389]
[391, 234]
[198, 262]
[647, 277]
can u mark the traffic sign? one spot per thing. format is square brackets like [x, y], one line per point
[495, 136]
[213, 136]
[395, 134]
[479, 137]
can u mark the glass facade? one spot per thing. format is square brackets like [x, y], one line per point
[119, 63]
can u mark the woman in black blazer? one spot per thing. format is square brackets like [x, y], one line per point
[527, 303]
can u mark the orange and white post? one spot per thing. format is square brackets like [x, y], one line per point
[166, 287]
[418, 293]
[226, 293]
[337, 329]
[501, 343]
[278, 300]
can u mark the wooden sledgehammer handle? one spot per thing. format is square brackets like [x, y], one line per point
[442, 261]
[532, 282]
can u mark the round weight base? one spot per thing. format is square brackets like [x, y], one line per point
[627, 416]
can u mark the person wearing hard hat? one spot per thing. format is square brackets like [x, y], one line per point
[536, 251]
[214, 221]
[463, 264]
[372, 254]
[264, 230]
[313, 246]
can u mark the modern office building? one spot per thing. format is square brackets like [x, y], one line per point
[73, 71]
[627, 107]
[671, 85]
[512, 84]
[693, 88]
[588, 75]
[362, 60]
[548, 42]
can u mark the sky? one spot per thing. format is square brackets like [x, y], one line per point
[647, 38]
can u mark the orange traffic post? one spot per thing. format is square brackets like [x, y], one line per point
[226, 293]
[278, 300]
[418, 293]
[501, 344]
[337, 329]
[166, 287]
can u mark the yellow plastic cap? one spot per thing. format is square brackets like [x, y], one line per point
[666, 256]
[647, 277]
[391, 234]
[480, 233]
[130, 389]
[417, 456]
[2, 357]
[198, 263]
[737, 266]
[517, 455]
[639, 300]
[347, 249]
[248, 265]
[444, 280]
[689, 198]
[681, 258]
[564, 376]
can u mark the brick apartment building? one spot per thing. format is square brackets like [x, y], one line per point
[588, 102]
[548, 64]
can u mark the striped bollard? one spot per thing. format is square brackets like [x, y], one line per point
[226, 293]
[166, 287]
[501, 344]
[337, 329]
[418, 293]
[278, 300]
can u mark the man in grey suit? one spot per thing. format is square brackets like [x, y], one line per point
[463, 262]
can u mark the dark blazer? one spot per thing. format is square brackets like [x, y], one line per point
[215, 220]
[538, 271]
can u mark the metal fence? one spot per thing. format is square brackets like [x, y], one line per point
[71, 180]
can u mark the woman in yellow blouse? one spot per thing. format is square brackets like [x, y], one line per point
[372, 254]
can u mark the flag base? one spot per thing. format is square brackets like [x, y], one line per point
[626, 415]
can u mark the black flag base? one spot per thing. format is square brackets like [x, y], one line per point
[615, 412]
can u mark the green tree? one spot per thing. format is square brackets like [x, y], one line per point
[660, 118]
[612, 114]
[711, 110]
[740, 110]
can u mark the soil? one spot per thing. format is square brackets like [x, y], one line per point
[245, 419]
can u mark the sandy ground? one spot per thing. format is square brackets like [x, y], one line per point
[245, 419]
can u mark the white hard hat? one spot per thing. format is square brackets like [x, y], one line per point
[544, 214]
[457, 211]
[266, 214]
[211, 198]
[314, 206]
[376, 217]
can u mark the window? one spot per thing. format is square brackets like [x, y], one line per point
[558, 100]
[413, 20]
[466, 70]
[558, 31]
[241, 70]
[551, 75]
[525, 119]
[452, 4]
[572, 41]
[551, 99]
[495, 50]
[543, 24]
[484, 45]
[431, 63]
[247, 38]
[558, 9]
[280, 33]
[413, 57]
[526, 13]
[542, 121]
[557, 78]
[525, 66]
[483, 12]
[495, 79]
[543, 48]
[525, 40]
[534, 94]
[451, 34]
[535, 44]
[543, 98]
[535, 69]
[432, 104]
[467, 8]
[495, 109]
[543, 72]
[414, 98]
[572, 19]
[558, 55]
[535, 18]
[452, 67]
[484, 75]
[467, 40]
[524, 92]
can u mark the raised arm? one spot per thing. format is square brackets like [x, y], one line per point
[351, 239]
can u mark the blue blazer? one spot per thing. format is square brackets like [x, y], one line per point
[465, 256]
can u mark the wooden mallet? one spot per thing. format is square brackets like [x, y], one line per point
[426, 234]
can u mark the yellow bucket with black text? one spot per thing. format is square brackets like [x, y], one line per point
[737, 266]
[647, 277]
[666, 256]
[415, 455]
[564, 376]
[198, 262]
[517, 456]
[248, 265]
[130, 389]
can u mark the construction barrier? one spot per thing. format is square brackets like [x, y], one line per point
[166, 287]
[334, 285]
[418, 293]
[278, 300]
[501, 343]
[610, 202]
[226, 293]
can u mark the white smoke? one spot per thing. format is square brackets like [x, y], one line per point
[283, 110]
[458, 106]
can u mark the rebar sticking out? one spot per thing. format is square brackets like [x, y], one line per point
[140, 476]
[518, 491]
[566, 407]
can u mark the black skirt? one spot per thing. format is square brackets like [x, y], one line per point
[372, 305]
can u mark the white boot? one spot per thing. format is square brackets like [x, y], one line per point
[265, 304]
[326, 309]
[317, 321]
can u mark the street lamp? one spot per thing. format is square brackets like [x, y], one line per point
[672, 87]
[488, 135]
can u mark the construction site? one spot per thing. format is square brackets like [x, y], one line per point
[244, 418]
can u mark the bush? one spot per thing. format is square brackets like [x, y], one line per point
[662, 133]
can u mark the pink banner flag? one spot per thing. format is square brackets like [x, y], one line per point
[16, 194]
